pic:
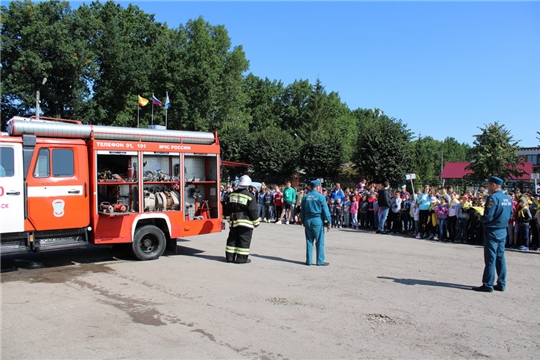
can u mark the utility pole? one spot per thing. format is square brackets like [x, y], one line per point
[37, 103]
[442, 162]
[38, 97]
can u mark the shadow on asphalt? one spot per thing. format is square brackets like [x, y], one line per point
[426, 283]
[276, 258]
[188, 251]
[86, 255]
[90, 254]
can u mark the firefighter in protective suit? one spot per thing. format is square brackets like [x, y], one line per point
[240, 210]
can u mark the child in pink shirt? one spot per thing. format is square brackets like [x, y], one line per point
[354, 212]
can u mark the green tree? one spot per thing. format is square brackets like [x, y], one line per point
[318, 112]
[45, 40]
[321, 156]
[294, 104]
[383, 148]
[455, 151]
[264, 105]
[341, 126]
[169, 77]
[430, 155]
[325, 133]
[125, 43]
[273, 152]
[235, 140]
[426, 153]
[211, 82]
[494, 153]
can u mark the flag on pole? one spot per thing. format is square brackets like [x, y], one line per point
[155, 101]
[167, 102]
[142, 101]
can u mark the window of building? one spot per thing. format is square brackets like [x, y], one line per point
[533, 159]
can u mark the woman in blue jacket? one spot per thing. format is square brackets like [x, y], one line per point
[424, 202]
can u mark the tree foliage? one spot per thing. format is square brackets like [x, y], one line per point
[45, 43]
[430, 155]
[494, 153]
[274, 153]
[455, 151]
[294, 104]
[124, 43]
[321, 157]
[100, 56]
[426, 153]
[263, 103]
[211, 85]
[383, 149]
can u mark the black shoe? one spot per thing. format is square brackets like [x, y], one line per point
[498, 288]
[377, 231]
[243, 262]
[323, 264]
[482, 289]
[308, 264]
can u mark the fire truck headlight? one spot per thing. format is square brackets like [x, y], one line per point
[89, 229]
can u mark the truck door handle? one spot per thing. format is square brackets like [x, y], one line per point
[74, 191]
[13, 193]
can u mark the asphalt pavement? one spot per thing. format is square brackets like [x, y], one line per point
[382, 297]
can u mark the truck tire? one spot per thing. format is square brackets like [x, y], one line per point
[149, 243]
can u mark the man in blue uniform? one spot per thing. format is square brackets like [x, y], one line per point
[497, 212]
[315, 216]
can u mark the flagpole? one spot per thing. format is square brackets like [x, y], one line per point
[166, 109]
[152, 113]
[138, 108]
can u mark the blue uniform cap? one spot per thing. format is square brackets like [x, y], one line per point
[496, 180]
[314, 183]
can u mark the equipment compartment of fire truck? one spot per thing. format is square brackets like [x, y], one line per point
[64, 184]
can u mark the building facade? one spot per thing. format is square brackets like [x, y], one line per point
[532, 155]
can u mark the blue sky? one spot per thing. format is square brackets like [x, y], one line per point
[443, 68]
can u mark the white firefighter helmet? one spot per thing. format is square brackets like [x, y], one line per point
[244, 182]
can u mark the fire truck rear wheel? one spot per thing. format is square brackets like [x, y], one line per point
[149, 243]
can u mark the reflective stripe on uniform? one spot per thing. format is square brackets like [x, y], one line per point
[242, 251]
[256, 222]
[237, 250]
[245, 223]
[241, 199]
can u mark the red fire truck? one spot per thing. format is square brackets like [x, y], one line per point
[64, 185]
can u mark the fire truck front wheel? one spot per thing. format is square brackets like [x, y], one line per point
[149, 243]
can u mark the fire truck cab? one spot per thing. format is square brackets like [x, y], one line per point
[64, 185]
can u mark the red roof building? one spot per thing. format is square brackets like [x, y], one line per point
[456, 170]
[531, 154]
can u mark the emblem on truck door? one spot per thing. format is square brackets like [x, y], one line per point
[58, 207]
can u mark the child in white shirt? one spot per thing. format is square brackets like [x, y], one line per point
[416, 213]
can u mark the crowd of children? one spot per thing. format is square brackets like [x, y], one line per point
[439, 214]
